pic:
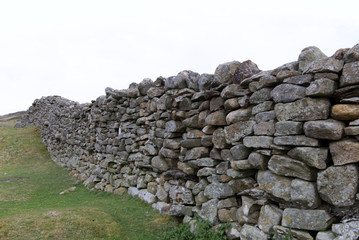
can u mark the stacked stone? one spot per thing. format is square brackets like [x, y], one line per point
[267, 151]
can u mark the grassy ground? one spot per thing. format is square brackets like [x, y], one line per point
[32, 208]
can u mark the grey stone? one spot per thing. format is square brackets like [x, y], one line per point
[302, 80]
[352, 55]
[337, 185]
[206, 171]
[306, 109]
[321, 88]
[327, 235]
[175, 83]
[286, 74]
[248, 212]
[263, 107]
[234, 90]
[264, 128]
[224, 72]
[209, 211]
[313, 157]
[219, 139]
[258, 141]
[180, 210]
[216, 103]
[304, 194]
[269, 216]
[344, 151]
[133, 191]
[346, 231]
[249, 232]
[203, 162]
[240, 184]
[283, 232]
[324, 129]
[240, 152]
[207, 141]
[174, 126]
[285, 128]
[350, 74]
[245, 70]
[351, 131]
[155, 92]
[181, 195]
[276, 185]
[197, 152]
[218, 190]
[191, 79]
[227, 203]
[168, 153]
[317, 220]
[222, 167]
[286, 166]
[284, 93]
[191, 143]
[308, 55]
[324, 65]
[241, 165]
[159, 163]
[145, 85]
[231, 104]
[265, 116]
[194, 134]
[162, 194]
[243, 101]
[237, 131]
[226, 155]
[258, 161]
[227, 215]
[297, 140]
[267, 81]
[242, 114]
[205, 81]
[162, 207]
[146, 196]
[239, 174]
[261, 96]
[216, 118]
[331, 76]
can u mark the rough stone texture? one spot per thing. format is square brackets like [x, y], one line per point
[327, 235]
[317, 220]
[346, 231]
[270, 216]
[238, 115]
[286, 128]
[286, 166]
[218, 190]
[245, 70]
[298, 140]
[306, 109]
[338, 185]
[345, 111]
[308, 55]
[324, 65]
[240, 152]
[219, 139]
[216, 118]
[321, 88]
[352, 55]
[283, 233]
[344, 151]
[224, 72]
[285, 93]
[261, 96]
[258, 142]
[249, 232]
[324, 129]
[350, 74]
[238, 131]
[302, 80]
[276, 185]
[180, 194]
[313, 157]
[304, 194]
[209, 211]
[234, 90]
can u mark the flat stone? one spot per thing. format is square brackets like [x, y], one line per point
[306, 109]
[286, 166]
[207, 141]
[155, 92]
[327, 235]
[237, 131]
[302, 80]
[263, 107]
[197, 152]
[227, 215]
[264, 128]
[324, 129]
[248, 212]
[352, 131]
[245, 70]
[241, 165]
[240, 184]
[174, 126]
[258, 141]
[181, 195]
[239, 115]
[209, 211]
[180, 210]
[286, 74]
[231, 104]
[159, 163]
[265, 116]
[218, 190]
[346, 93]
[269, 216]
[219, 139]
[297, 140]
[146, 196]
[345, 111]
[304, 194]
[224, 72]
[308, 55]
[313, 157]
[234, 90]
[346, 231]
[191, 143]
[317, 220]
[240, 152]
[216, 118]
[344, 151]
[276, 185]
[267, 81]
[261, 96]
[192, 122]
[240, 173]
[285, 128]
[283, 233]
[324, 65]
[162, 207]
[321, 88]
[203, 162]
[350, 75]
[258, 161]
[249, 232]
[227, 203]
[285, 93]
[337, 185]
[168, 153]
[352, 55]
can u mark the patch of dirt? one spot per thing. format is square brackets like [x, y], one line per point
[14, 179]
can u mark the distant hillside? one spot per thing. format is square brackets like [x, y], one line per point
[12, 116]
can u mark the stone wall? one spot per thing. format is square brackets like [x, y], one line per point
[265, 150]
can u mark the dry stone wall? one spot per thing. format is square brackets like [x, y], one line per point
[267, 151]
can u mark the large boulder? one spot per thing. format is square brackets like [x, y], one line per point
[308, 55]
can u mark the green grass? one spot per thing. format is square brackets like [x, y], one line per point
[32, 208]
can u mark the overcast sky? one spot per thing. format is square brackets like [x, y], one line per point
[76, 48]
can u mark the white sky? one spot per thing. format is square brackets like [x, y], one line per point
[76, 48]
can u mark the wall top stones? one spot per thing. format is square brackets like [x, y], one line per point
[264, 150]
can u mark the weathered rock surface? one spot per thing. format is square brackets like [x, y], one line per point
[345, 111]
[324, 129]
[284, 93]
[346, 231]
[308, 55]
[313, 157]
[350, 74]
[276, 185]
[344, 151]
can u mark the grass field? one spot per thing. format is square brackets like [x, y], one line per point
[32, 208]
